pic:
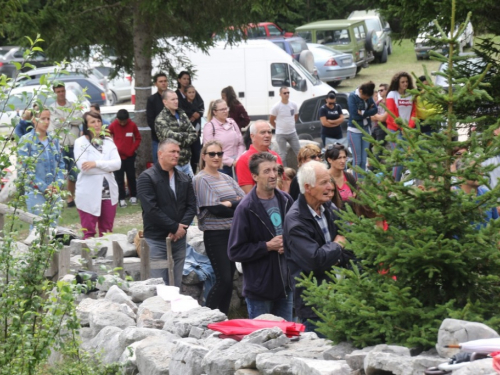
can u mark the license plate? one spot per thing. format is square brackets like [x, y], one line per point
[346, 61]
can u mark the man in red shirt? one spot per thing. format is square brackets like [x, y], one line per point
[261, 134]
[127, 139]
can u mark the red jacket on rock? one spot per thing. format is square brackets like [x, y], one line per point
[127, 138]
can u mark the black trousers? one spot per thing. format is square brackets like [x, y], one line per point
[219, 296]
[128, 168]
[195, 153]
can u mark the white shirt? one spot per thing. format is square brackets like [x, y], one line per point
[88, 194]
[72, 119]
[285, 117]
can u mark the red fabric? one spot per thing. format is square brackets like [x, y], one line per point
[496, 361]
[242, 169]
[392, 107]
[237, 327]
[126, 145]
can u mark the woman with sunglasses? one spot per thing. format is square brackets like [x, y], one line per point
[345, 183]
[361, 108]
[217, 196]
[306, 154]
[225, 130]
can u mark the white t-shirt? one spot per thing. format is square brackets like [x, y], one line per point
[285, 117]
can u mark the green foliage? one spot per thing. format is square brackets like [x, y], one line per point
[445, 257]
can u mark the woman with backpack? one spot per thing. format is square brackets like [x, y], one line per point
[225, 130]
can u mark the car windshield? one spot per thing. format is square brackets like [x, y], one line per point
[308, 75]
[333, 37]
[373, 24]
[306, 35]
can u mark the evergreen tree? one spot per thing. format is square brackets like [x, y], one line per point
[445, 263]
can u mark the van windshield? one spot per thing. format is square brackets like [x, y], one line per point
[308, 75]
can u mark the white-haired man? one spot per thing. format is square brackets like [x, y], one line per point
[311, 239]
[261, 134]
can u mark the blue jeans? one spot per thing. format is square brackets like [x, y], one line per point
[186, 169]
[281, 307]
[397, 171]
[69, 162]
[154, 149]
[358, 147]
[35, 202]
[158, 251]
[311, 327]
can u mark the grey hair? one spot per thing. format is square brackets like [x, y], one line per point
[253, 127]
[307, 174]
[168, 141]
[166, 92]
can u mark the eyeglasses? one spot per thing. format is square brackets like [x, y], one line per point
[222, 109]
[286, 93]
[314, 157]
[381, 90]
[214, 154]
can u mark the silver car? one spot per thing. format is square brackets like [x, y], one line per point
[120, 86]
[332, 66]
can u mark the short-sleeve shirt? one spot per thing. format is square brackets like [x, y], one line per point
[273, 210]
[285, 117]
[211, 191]
[243, 170]
[331, 114]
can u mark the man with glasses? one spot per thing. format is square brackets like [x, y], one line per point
[261, 134]
[153, 109]
[173, 123]
[331, 118]
[283, 117]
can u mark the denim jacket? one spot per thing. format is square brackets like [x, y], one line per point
[355, 103]
[48, 168]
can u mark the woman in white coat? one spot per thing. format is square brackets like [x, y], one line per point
[96, 194]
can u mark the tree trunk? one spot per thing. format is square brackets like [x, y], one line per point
[142, 70]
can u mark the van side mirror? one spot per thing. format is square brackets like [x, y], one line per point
[303, 85]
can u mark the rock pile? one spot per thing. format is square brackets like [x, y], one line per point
[133, 326]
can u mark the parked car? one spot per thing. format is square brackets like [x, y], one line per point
[15, 53]
[297, 48]
[74, 71]
[309, 125]
[332, 66]
[424, 45]
[120, 86]
[473, 66]
[376, 23]
[265, 30]
[94, 90]
[109, 112]
[24, 97]
[349, 36]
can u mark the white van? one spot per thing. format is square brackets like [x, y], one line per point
[256, 69]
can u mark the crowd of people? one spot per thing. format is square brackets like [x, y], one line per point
[252, 208]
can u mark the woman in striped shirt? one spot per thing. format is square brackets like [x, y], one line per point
[217, 196]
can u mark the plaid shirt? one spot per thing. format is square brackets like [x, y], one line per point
[321, 220]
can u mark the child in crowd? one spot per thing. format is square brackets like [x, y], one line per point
[127, 139]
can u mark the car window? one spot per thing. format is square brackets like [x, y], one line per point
[306, 35]
[308, 110]
[19, 53]
[295, 79]
[342, 101]
[280, 75]
[281, 45]
[297, 46]
[273, 30]
[335, 37]
[362, 31]
[104, 70]
[256, 32]
[373, 24]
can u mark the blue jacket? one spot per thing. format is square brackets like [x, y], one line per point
[355, 103]
[23, 127]
[48, 163]
[306, 249]
[265, 273]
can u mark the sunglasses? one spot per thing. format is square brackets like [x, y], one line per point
[382, 90]
[214, 154]
[314, 157]
[286, 93]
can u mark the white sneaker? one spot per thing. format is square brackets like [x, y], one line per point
[123, 203]
[133, 201]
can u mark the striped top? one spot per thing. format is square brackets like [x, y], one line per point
[210, 191]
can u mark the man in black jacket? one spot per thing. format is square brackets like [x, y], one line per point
[153, 108]
[256, 241]
[168, 207]
[312, 243]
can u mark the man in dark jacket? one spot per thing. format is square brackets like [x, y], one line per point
[153, 108]
[168, 207]
[312, 243]
[256, 241]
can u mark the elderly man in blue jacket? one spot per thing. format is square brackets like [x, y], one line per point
[312, 242]
[256, 240]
